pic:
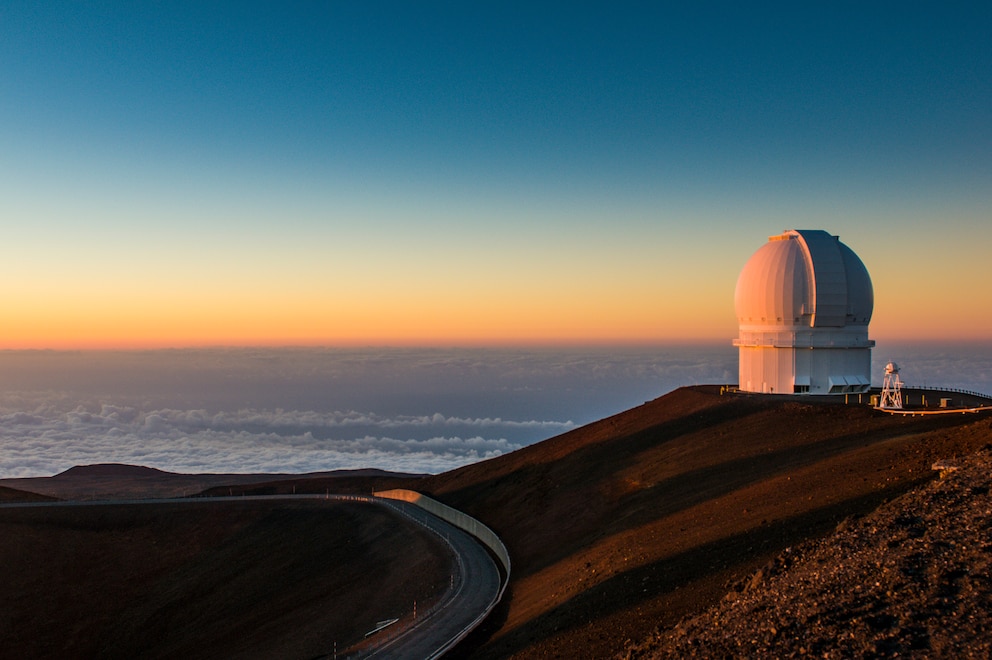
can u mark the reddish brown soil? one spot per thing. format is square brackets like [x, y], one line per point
[640, 519]
[634, 522]
[208, 580]
[913, 579]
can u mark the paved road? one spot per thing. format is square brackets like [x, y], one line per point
[475, 583]
[474, 590]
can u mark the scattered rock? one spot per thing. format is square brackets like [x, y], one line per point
[912, 579]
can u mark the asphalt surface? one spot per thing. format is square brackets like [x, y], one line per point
[472, 593]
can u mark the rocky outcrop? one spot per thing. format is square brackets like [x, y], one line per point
[911, 579]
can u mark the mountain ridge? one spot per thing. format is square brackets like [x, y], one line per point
[124, 481]
[643, 517]
[111, 470]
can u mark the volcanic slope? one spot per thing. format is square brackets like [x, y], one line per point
[251, 579]
[637, 520]
[912, 579]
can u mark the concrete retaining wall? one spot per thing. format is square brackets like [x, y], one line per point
[458, 519]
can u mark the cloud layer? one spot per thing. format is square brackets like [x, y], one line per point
[312, 409]
[304, 410]
[46, 440]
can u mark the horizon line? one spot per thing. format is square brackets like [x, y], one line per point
[438, 345]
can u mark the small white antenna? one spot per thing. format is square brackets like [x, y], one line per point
[891, 388]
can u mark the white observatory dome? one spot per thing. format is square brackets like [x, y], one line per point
[805, 277]
[803, 302]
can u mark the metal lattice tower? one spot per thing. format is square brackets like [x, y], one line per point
[891, 387]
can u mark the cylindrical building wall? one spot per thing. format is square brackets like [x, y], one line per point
[803, 303]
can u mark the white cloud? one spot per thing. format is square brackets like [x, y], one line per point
[249, 440]
[302, 410]
[311, 409]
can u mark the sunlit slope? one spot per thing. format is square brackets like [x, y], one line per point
[643, 517]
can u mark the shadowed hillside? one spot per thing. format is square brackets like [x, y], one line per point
[14, 495]
[639, 519]
[209, 580]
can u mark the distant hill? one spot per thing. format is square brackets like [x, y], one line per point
[111, 470]
[121, 481]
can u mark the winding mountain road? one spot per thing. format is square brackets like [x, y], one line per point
[473, 591]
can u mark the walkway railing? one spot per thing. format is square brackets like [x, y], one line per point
[952, 390]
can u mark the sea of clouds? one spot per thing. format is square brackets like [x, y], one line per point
[312, 409]
[48, 438]
[308, 409]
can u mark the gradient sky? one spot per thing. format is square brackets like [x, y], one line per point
[207, 173]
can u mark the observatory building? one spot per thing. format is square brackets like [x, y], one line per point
[803, 303]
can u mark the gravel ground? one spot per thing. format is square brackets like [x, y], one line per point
[912, 579]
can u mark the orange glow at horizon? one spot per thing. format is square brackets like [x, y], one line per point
[95, 336]
[529, 304]
[413, 325]
[648, 294]
[533, 320]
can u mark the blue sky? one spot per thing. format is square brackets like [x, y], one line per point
[182, 157]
